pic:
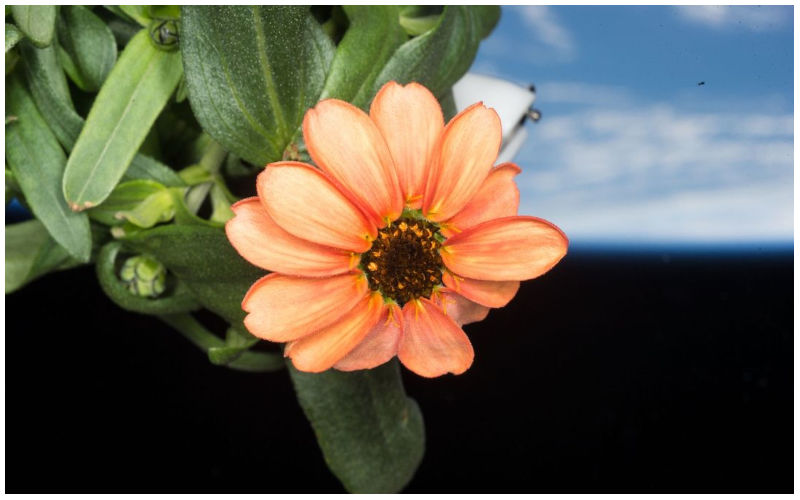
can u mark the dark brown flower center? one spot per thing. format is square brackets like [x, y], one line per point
[404, 262]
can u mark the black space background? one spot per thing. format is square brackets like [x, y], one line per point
[615, 372]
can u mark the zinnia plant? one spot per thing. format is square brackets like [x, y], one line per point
[186, 151]
[403, 234]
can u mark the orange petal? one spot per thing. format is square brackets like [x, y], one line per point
[497, 197]
[462, 310]
[468, 148]
[380, 344]
[257, 238]
[410, 120]
[346, 144]
[318, 352]
[432, 344]
[507, 249]
[486, 293]
[283, 308]
[304, 202]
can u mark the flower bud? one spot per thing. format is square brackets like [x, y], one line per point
[164, 34]
[145, 276]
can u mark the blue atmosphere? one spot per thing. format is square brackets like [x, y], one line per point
[659, 124]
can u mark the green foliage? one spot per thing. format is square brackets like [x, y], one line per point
[13, 35]
[439, 57]
[242, 359]
[37, 161]
[157, 174]
[87, 47]
[30, 253]
[48, 85]
[38, 22]
[201, 257]
[141, 202]
[373, 36]
[132, 97]
[371, 433]
[177, 299]
[251, 73]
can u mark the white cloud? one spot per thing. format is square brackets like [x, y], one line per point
[582, 93]
[653, 172]
[543, 25]
[752, 17]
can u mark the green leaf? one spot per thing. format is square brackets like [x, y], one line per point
[49, 88]
[51, 95]
[438, 58]
[177, 298]
[12, 58]
[31, 253]
[488, 17]
[198, 335]
[141, 202]
[139, 13]
[13, 35]
[144, 167]
[89, 45]
[133, 95]
[163, 11]
[37, 161]
[202, 257]
[155, 208]
[236, 343]
[373, 36]
[38, 22]
[417, 19]
[371, 434]
[251, 73]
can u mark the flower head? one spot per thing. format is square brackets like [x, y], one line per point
[403, 233]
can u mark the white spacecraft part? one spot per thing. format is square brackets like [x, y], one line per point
[511, 101]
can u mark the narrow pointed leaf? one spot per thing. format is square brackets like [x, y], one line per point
[38, 22]
[440, 56]
[371, 39]
[251, 73]
[144, 167]
[30, 253]
[371, 434]
[88, 43]
[48, 85]
[133, 95]
[50, 92]
[37, 161]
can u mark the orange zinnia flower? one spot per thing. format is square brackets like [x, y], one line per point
[404, 233]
